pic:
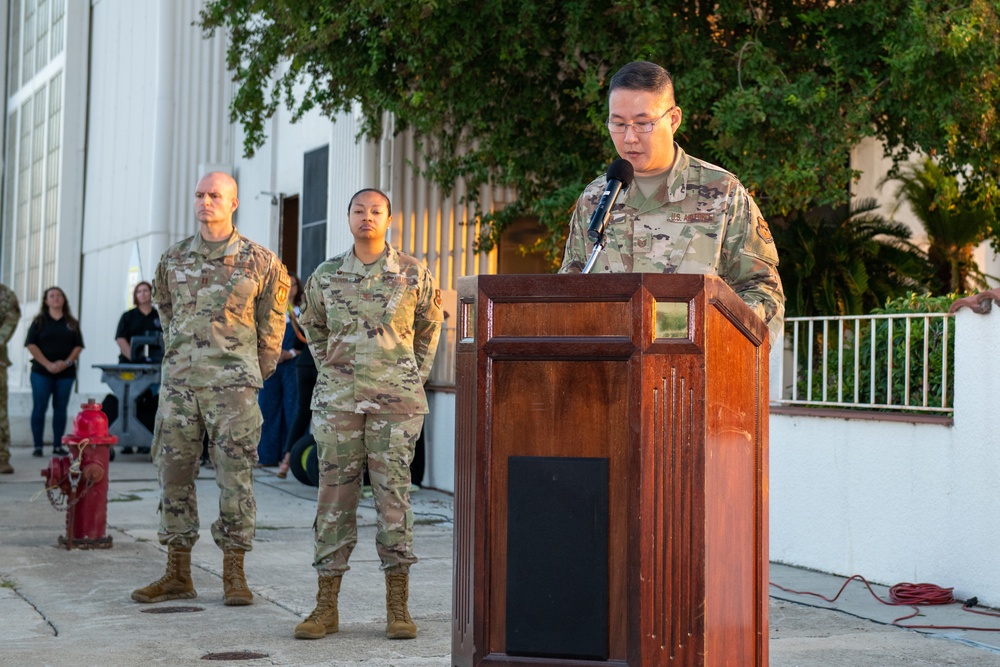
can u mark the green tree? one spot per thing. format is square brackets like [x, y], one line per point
[513, 92]
[956, 222]
[942, 85]
[846, 262]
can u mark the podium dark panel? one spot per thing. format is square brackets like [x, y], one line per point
[558, 409]
[557, 557]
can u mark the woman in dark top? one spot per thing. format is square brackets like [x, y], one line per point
[141, 320]
[55, 342]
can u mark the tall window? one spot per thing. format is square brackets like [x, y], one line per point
[10, 174]
[315, 190]
[23, 198]
[28, 42]
[14, 47]
[58, 20]
[37, 190]
[41, 35]
[33, 150]
[53, 136]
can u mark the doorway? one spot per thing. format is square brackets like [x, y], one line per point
[288, 245]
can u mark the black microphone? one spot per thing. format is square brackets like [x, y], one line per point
[620, 174]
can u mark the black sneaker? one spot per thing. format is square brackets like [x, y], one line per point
[59, 451]
[38, 453]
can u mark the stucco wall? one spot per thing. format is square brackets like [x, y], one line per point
[439, 434]
[898, 502]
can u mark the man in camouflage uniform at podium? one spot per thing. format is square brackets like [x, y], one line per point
[221, 299]
[681, 214]
[10, 314]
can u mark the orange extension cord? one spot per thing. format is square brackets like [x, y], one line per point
[911, 595]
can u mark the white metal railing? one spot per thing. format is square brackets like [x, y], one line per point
[443, 371]
[900, 362]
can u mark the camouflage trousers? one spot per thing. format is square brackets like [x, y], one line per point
[343, 441]
[4, 420]
[231, 419]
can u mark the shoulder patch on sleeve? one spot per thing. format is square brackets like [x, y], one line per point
[284, 285]
[763, 231]
[437, 298]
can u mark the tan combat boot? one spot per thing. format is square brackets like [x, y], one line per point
[176, 584]
[398, 624]
[323, 620]
[235, 591]
[6, 469]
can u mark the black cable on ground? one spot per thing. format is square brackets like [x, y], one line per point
[911, 595]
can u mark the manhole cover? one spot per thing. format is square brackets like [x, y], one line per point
[234, 655]
[171, 610]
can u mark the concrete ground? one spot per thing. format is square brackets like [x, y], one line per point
[61, 607]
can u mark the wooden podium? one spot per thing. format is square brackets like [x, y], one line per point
[611, 473]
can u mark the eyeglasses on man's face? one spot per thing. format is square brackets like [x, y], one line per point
[617, 127]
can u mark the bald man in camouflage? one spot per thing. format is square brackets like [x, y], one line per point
[681, 214]
[10, 313]
[373, 317]
[221, 299]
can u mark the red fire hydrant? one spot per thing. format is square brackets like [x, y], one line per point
[82, 477]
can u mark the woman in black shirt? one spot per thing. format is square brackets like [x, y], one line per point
[141, 320]
[55, 342]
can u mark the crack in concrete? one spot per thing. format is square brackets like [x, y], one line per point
[18, 593]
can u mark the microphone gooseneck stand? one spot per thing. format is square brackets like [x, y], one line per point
[598, 247]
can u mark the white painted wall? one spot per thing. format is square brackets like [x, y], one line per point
[276, 167]
[156, 117]
[126, 39]
[353, 166]
[257, 218]
[274, 170]
[898, 502]
[439, 434]
[295, 139]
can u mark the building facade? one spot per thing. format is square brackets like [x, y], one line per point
[115, 107]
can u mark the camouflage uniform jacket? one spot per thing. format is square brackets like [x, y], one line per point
[222, 311]
[700, 220]
[10, 313]
[373, 333]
